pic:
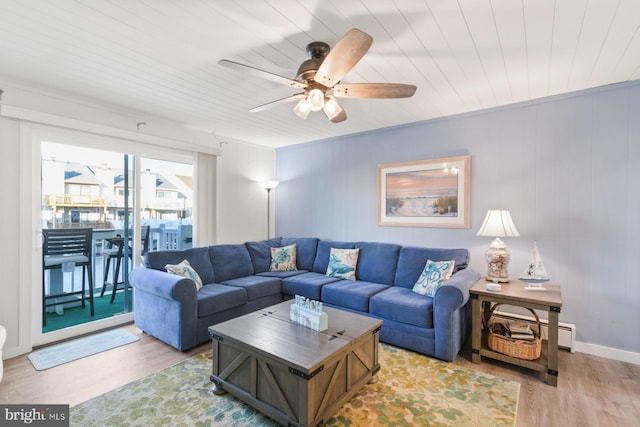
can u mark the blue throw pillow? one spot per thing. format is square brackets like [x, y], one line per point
[432, 277]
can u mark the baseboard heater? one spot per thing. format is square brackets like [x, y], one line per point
[566, 331]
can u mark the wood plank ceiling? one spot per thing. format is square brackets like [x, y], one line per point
[160, 56]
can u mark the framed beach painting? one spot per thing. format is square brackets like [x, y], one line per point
[425, 193]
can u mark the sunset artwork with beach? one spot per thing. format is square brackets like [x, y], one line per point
[424, 193]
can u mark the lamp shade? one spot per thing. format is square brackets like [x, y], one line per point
[315, 98]
[498, 223]
[331, 107]
[269, 185]
[302, 109]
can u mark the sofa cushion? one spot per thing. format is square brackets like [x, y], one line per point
[403, 305]
[214, 298]
[197, 257]
[305, 250]
[377, 262]
[230, 262]
[433, 275]
[308, 284]
[260, 253]
[322, 253]
[184, 269]
[351, 294]
[283, 258]
[342, 263]
[256, 286]
[412, 260]
[281, 274]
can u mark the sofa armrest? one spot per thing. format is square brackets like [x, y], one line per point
[165, 306]
[163, 284]
[454, 293]
[452, 314]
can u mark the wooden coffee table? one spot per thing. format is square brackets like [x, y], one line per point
[295, 375]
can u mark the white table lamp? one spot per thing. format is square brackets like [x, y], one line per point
[498, 223]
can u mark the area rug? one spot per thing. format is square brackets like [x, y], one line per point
[68, 351]
[413, 390]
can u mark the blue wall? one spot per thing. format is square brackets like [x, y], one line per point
[567, 167]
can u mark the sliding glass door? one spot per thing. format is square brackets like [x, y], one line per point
[85, 188]
[131, 203]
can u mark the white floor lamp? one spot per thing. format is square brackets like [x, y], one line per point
[269, 185]
[3, 338]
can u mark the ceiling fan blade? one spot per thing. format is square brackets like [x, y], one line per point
[272, 104]
[373, 90]
[343, 57]
[261, 73]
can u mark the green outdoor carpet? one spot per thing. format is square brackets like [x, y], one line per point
[77, 315]
[413, 390]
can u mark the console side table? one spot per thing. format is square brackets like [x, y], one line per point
[514, 293]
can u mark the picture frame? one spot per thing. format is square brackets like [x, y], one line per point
[425, 193]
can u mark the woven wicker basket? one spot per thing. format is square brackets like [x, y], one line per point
[528, 350]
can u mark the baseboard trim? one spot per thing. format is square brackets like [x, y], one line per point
[608, 352]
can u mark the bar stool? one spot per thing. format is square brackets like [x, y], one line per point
[115, 251]
[63, 249]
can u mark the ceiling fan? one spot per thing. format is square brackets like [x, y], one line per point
[319, 78]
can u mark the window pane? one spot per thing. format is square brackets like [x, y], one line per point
[166, 202]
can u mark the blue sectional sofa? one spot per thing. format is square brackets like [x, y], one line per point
[237, 280]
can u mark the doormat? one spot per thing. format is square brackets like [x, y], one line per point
[69, 351]
[412, 390]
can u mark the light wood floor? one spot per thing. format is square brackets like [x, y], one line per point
[592, 391]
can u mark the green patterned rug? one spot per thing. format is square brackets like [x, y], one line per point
[412, 390]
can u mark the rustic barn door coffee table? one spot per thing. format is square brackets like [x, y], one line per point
[295, 375]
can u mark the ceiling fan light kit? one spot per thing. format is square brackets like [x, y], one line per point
[320, 78]
[302, 109]
[315, 98]
[331, 107]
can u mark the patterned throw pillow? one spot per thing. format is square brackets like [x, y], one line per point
[283, 259]
[342, 263]
[184, 269]
[433, 275]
